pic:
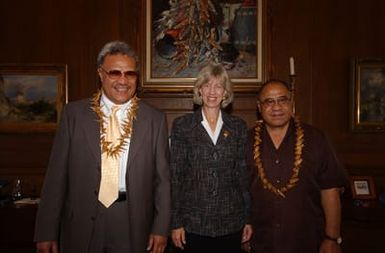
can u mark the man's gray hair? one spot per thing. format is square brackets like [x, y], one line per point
[114, 48]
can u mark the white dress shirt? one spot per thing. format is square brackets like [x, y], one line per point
[213, 135]
[106, 106]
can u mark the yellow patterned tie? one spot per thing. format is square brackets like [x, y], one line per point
[109, 187]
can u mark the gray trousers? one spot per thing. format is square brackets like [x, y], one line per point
[111, 230]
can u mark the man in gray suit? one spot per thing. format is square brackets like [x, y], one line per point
[72, 217]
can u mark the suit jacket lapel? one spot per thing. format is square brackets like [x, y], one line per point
[139, 130]
[199, 132]
[92, 132]
[227, 129]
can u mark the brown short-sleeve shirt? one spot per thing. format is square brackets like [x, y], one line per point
[294, 223]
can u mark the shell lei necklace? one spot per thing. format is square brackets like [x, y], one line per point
[297, 160]
[106, 146]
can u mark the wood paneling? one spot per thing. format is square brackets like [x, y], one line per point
[321, 35]
[175, 105]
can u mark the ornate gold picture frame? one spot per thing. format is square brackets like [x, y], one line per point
[31, 97]
[179, 39]
[367, 95]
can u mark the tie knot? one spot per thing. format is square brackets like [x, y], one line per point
[113, 128]
[114, 109]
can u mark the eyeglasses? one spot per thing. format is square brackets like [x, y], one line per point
[270, 102]
[116, 74]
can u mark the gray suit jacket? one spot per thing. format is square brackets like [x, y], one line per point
[69, 197]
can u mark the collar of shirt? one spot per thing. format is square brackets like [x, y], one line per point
[214, 136]
[106, 106]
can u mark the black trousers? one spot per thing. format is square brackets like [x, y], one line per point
[204, 244]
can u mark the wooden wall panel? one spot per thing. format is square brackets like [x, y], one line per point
[176, 105]
[321, 35]
[291, 24]
[350, 29]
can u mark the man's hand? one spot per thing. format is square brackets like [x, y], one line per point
[331, 204]
[246, 247]
[156, 243]
[179, 237]
[47, 247]
[328, 246]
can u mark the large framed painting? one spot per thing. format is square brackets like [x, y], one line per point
[367, 95]
[31, 97]
[180, 37]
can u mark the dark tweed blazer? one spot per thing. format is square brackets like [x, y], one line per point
[209, 182]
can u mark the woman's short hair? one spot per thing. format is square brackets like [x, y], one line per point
[114, 48]
[216, 71]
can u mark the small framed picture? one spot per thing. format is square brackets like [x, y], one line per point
[363, 187]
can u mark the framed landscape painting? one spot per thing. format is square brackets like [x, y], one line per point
[31, 97]
[367, 95]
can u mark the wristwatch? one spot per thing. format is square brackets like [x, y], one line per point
[337, 240]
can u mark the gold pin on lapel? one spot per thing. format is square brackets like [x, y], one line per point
[226, 133]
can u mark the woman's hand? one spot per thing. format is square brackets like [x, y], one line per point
[178, 237]
[247, 232]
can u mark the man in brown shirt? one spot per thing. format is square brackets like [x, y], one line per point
[296, 180]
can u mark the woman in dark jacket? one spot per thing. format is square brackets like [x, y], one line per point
[209, 177]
